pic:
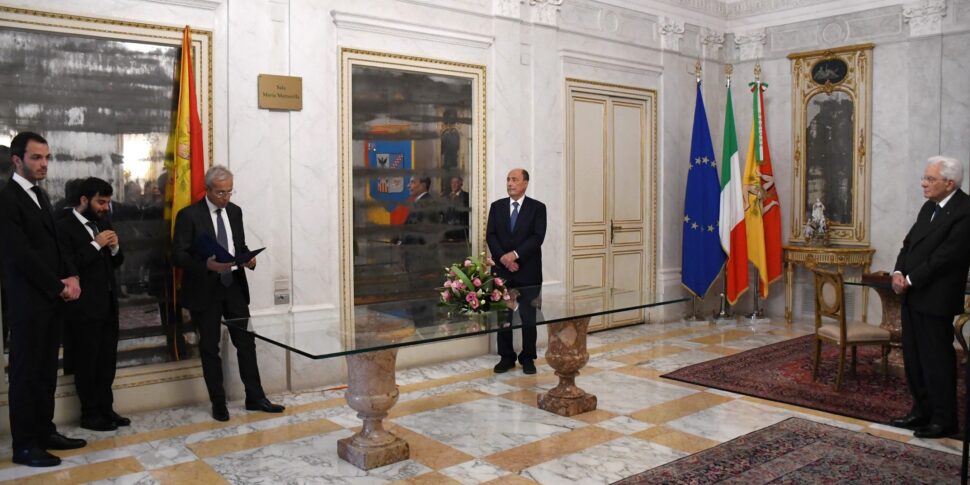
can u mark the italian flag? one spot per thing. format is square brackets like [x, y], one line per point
[731, 226]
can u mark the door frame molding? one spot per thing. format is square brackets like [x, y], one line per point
[619, 91]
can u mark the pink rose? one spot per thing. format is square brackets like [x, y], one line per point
[468, 263]
[499, 282]
[496, 295]
[446, 296]
[447, 283]
[472, 300]
[477, 282]
[458, 285]
[506, 296]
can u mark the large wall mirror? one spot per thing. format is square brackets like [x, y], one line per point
[103, 93]
[831, 99]
[412, 166]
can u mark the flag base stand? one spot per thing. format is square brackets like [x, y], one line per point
[693, 316]
[724, 314]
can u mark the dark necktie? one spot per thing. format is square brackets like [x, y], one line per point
[936, 210]
[94, 228]
[515, 215]
[45, 204]
[223, 239]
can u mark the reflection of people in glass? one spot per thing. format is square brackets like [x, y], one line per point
[457, 213]
[420, 247]
[450, 140]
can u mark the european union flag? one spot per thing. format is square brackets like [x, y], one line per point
[702, 256]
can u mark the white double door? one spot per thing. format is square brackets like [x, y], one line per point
[609, 156]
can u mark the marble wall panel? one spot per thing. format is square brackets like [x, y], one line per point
[955, 101]
[871, 28]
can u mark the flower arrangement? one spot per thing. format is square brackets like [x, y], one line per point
[470, 287]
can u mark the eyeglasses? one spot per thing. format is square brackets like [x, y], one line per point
[222, 194]
[930, 179]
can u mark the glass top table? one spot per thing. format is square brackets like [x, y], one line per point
[371, 340]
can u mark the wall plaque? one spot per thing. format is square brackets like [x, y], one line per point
[280, 92]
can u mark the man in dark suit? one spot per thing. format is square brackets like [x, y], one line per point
[419, 248]
[38, 278]
[457, 213]
[212, 290]
[92, 320]
[931, 274]
[515, 231]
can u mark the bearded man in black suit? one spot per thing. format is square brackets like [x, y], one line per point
[92, 320]
[38, 278]
[931, 274]
[212, 290]
[514, 233]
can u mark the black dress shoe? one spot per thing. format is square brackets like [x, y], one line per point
[503, 366]
[933, 430]
[35, 456]
[910, 421]
[98, 423]
[528, 367]
[57, 441]
[118, 419]
[220, 412]
[264, 405]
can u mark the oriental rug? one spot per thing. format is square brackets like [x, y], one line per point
[802, 451]
[783, 372]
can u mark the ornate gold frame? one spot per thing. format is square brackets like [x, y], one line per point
[21, 18]
[477, 193]
[857, 85]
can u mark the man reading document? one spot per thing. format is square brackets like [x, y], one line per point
[213, 290]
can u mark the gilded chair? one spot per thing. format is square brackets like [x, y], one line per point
[829, 307]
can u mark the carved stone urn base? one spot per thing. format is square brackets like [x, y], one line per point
[567, 354]
[372, 392]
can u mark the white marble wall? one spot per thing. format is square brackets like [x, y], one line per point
[286, 163]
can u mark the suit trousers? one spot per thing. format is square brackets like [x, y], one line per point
[228, 303]
[528, 299]
[34, 343]
[930, 363]
[95, 344]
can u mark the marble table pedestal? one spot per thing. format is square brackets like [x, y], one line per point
[567, 355]
[372, 391]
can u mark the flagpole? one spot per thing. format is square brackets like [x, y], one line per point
[757, 312]
[693, 316]
[725, 308]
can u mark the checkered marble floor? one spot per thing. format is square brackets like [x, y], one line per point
[464, 424]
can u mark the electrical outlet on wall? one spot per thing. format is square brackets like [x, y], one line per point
[281, 292]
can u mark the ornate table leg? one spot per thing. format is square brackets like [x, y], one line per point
[567, 354]
[789, 273]
[372, 392]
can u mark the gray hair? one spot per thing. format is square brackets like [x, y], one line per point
[216, 173]
[950, 168]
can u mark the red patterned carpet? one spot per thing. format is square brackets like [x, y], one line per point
[801, 451]
[783, 372]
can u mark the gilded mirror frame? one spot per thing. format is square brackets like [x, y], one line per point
[831, 77]
[476, 187]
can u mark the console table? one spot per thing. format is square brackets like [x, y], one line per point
[370, 346]
[811, 256]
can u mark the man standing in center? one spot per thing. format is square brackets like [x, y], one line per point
[515, 231]
[212, 290]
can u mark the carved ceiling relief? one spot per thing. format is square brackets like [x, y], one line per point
[925, 17]
[671, 33]
[751, 44]
[545, 12]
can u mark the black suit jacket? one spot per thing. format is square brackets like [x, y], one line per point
[33, 262]
[936, 256]
[423, 211]
[526, 239]
[198, 283]
[99, 289]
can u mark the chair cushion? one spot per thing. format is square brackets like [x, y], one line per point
[854, 332]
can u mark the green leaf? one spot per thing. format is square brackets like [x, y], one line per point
[461, 274]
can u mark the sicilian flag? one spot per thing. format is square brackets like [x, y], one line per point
[702, 256]
[762, 215]
[186, 169]
[734, 239]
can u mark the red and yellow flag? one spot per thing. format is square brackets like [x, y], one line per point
[762, 208]
[186, 170]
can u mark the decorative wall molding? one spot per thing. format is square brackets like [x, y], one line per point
[507, 8]
[199, 4]
[751, 44]
[397, 28]
[712, 42]
[605, 62]
[545, 12]
[671, 33]
[925, 17]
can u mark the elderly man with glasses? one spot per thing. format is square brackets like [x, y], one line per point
[931, 274]
[212, 290]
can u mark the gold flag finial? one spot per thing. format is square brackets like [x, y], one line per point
[757, 72]
[728, 71]
[697, 69]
